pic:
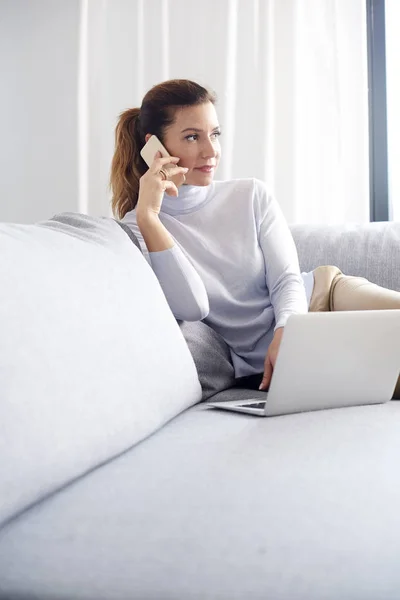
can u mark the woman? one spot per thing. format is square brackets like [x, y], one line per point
[221, 250]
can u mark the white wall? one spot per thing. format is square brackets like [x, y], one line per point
[38, 108]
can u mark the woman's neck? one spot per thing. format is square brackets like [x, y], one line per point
[190, 198]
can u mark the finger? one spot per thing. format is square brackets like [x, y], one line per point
[159, 161]
[267, 376]
[178, 179]
[170, 188]
[176, 170]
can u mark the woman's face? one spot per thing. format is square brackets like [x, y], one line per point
[194, 138]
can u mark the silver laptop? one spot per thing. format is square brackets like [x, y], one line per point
[329, 360]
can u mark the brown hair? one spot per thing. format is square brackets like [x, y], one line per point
[156, 113]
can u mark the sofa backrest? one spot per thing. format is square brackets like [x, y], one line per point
[91, 357]
[370, 250]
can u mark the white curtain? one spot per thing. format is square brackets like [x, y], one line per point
[291, 77]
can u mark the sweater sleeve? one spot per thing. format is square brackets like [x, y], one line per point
[282, 270]
[182, 286]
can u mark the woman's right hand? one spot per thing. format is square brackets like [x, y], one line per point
[152, 184]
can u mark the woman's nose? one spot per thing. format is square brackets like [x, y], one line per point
[208, 150]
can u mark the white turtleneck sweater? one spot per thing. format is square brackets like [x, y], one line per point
[234, 265]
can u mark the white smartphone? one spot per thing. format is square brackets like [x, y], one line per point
[149, 150]
[148, 153]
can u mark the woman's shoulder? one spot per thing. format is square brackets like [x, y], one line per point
[129, 218]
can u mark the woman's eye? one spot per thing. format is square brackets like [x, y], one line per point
[194, 136]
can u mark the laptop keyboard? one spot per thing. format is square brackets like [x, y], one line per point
[260, 404]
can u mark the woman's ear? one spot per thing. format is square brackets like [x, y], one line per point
[147, 137]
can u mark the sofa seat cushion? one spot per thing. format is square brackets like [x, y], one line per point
[218, 506]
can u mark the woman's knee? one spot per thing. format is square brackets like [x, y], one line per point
[357, 293]
[323, 278]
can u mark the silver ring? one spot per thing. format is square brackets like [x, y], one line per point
[163, 174]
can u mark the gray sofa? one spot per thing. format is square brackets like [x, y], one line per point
[116, 480]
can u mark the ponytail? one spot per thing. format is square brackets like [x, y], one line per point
[127, 165]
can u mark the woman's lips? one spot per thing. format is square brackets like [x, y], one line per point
[207, 169]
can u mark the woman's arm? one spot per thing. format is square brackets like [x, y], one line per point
[282, 270]
[155, 235]
[182, 286]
